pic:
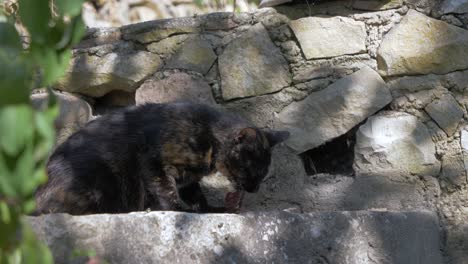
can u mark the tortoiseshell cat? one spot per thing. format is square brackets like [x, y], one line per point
[153, 156]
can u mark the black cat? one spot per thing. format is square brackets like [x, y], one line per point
[153, 156]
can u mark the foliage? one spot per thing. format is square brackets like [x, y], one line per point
[35, 59]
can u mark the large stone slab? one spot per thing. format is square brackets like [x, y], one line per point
[168, 45]
[272, 237]
[336, 67]
[446, 113]
[331, 112]
[153, 31]
[322, 37]
[422, 45]
[395, 143]
[289, 187]
[195, 54]
[96, 76]
[176, 87]
[252, 65]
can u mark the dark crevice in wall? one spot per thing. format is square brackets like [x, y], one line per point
[113, 101]
[333, 157]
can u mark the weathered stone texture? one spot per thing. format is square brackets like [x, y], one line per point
[157, 30]
[453, 168]
[395, 143]
[96, 76]
[446, 113]
[322, 37]
[333, 111]
[196, 54]
[464, 146]
[252, 65]
[168, 45]
[412, 84]
[176, 87]
[336, 67]
[169, 237]
[422, 45]
[288, 187]
[457, 81]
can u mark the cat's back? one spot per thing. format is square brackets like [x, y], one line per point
[131, 125]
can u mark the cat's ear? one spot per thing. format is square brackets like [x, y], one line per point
[276, 136]
[247, 134]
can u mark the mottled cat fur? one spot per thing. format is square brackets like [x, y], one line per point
[153, 156]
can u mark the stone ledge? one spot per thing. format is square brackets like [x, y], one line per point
[261, 237]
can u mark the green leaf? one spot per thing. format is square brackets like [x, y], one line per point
[10, 230]
[35, 15]
[28, 206]
[9, 38]
[53, 64]
[69, 7]
[44, 127]
[32, 250]
[5, 215]
[79, 29]
[3, 18]
[15, 77]
[6, 185]
[72, 34]
[16, 128]
[24, 182]
[198, 3]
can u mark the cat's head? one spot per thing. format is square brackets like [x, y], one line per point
[248, 158]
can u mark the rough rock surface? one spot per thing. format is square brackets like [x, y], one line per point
[168, 45]
[394, 143]
[95, 76]
[157, 30]
[453, 167]
[322, 37]
[288, 187]
[195, 54]
[74, 112]
[422, 45]
[335, 67]
[334, 110]
[446, 113]
[248, 57]
[169, 237]
[464, 145]
[176, 87]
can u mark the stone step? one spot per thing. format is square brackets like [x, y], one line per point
[257, 237]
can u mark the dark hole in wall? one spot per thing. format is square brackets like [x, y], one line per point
[112, 101]
[333, 157]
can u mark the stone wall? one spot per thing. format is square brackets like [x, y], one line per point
[375, 94]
